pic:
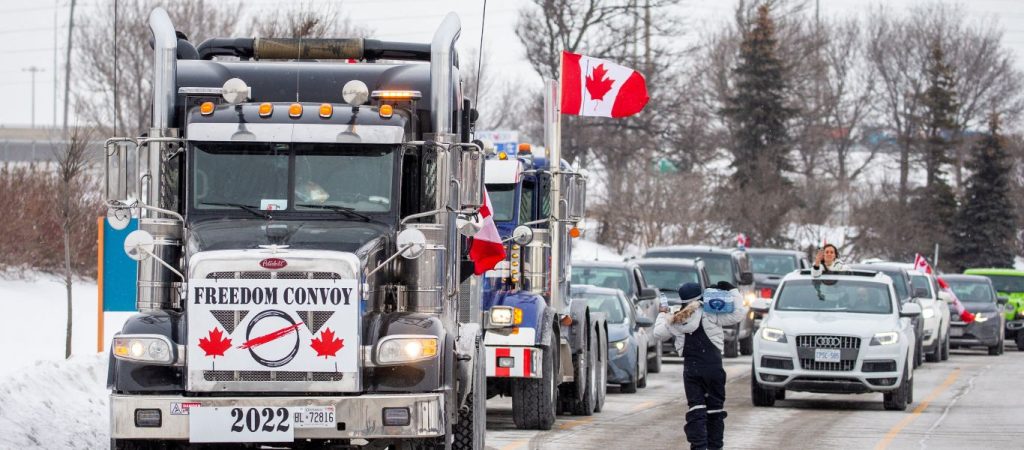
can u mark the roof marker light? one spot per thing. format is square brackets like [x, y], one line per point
[386, 111]
[396, 95]
[525, 148]
[502, 156]
[295, 110]
[266, 109]
[206, 108]
[326, 111]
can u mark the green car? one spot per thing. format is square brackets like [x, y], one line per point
[1009, 283]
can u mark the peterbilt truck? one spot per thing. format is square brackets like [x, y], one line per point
[299, 277]
[544, 349]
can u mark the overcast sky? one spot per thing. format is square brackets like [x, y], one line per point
[28, 31]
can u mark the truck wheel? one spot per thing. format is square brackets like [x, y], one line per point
[654, 363]
[760, 396]
[602, 372]
[533, 401]
[731, 348]
[747, 345]
[897, 400]
[471, 428]
[122, 444]
[586, 406]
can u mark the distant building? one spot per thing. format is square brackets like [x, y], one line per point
[36, 144]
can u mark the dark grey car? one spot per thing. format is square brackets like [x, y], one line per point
[979, 297]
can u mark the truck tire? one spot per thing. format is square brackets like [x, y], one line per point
[587, 405]
[602, 371]
[897, 400]
[469, 432]
[533, 400]
[731, 348]
[760, 396]
[654, 363]
[747, 345]
[123, 444]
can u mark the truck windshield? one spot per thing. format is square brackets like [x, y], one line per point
[669, 278]
[503, 198]
[835, 296]
[312, 178]
[772, 264]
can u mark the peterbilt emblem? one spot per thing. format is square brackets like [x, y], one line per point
[273, 263]
[826, 341]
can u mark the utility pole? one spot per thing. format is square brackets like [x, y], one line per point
[67, 64]
[33, 70]
[56, 31]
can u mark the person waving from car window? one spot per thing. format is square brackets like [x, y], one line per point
[827, 260]
[699, 339]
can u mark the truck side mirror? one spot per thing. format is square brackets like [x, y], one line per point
[746, 278]
[411, 243]
[121, 170]
[577, 196]
[471, 188]
[522, 235]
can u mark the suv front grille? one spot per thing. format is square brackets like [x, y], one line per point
[848, 347]
[265, 375]
[259, 275]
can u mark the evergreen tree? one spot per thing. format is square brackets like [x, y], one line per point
[933, 207]
[760, 196]
[986, 222]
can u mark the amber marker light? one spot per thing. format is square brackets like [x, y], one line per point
[326, 111]
[206, 108]
[574, 232]
[386, 111]
[266, 109]
[295, 110]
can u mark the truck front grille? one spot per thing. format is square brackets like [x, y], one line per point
[265, 375]
[260, 275]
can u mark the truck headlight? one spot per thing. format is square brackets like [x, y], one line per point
[748, 298]
[150, 348]
[406, 349]
[620, 346]
[505, 316]
[887, 338]
[773, 334]
[928, 313]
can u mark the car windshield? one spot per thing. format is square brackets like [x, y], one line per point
[325, 178]
[669, 278]
[502, 201]
[609, 277]
[718, 266]
[899, 283]
[772, 264]
[609, 304]
[921, 282]
[970, 291]
[848, 296]
[1007, 283]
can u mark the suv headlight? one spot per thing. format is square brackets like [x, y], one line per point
[621, 346]
[981, 317]
[505, 316]
[928, 313]
[143, 348]
[773, 334]
[887, 338]
[406, 349]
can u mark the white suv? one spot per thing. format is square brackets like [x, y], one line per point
[841, 333]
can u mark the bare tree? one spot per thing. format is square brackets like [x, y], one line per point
[307, 20]
[72, 165]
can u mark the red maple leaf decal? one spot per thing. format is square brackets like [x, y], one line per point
[327, 345]
[597, 84]
[216, 345]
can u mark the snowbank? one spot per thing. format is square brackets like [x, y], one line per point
[56, 405]
[584, 250]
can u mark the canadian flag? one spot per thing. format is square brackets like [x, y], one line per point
[485, 247]
[922, 264]
[596, 87]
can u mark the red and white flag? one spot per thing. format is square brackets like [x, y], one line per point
[596, 87]
[958, 308]
[485, 247]
[921, 264]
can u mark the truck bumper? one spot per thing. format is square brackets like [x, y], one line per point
[514, 362]
[357, 417]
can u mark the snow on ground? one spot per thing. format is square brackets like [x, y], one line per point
[584, 250]
[56, 405]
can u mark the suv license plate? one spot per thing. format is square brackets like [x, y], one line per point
[241, 424]
[827, 355]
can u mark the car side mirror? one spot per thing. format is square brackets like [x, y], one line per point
[648, 294]
[921, 292]
[644, 322]
[1002, 299]
[910, 310]
[746, 278]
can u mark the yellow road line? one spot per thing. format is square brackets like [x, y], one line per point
[575, 423]
[643, 405]
[517, 444]
[896, 429]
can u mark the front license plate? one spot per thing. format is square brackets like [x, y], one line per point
[826, 355]
[956, 331]
[241, 424]
[313, 417]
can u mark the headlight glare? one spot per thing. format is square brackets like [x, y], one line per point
[887, 338]
[748, 298]
[406, 349]
[773, 334]
[143, 348]
[620, 346]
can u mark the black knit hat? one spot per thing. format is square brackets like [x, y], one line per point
[689, 292]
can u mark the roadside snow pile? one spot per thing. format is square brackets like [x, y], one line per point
[56, 405]
[584, 250]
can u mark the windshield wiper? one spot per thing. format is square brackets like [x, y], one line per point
[351, 212]
[247, 208]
